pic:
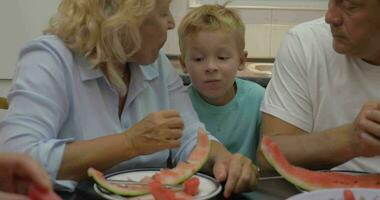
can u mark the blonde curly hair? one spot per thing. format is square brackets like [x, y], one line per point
[105, 31]
[211, 18]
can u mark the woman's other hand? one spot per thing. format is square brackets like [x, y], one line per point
[18, 172]
[157, 131]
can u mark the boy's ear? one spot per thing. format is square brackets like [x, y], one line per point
[243, 59]
[183, 65]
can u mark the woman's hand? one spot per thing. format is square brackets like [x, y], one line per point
[157, 131]
[18, 172]
[367, 128]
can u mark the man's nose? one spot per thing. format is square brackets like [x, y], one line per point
[333, 14]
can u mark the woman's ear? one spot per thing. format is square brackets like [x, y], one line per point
[182, 62]
[243, 59]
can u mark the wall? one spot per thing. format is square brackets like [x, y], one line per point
[20, 21]
[265, 28]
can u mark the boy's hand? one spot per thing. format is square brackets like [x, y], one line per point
[238, 172]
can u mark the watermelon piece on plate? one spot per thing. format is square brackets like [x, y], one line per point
[160, 192]
[184, 170]
[191, 186]
[314, 180]
[117, 188]
[348, 195]
[37, 194]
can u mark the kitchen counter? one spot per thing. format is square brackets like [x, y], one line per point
[259, 71]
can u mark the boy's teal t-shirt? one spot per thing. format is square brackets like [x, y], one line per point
[236, 124]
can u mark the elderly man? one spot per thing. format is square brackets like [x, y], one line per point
[322, 105]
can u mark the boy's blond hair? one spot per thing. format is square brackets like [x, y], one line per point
[211, 18]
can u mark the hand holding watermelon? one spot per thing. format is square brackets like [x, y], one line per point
[18, 173]
[237, 171]
[157, 131]
[367, 128]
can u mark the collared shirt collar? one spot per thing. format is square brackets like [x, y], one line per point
[88, 71]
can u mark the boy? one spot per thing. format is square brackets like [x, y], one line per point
[211, 40]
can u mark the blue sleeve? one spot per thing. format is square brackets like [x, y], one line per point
[38, 107]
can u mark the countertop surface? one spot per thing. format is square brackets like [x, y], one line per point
[260, 72]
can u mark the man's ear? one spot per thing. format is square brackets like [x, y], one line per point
[182, 62]
[243, 59]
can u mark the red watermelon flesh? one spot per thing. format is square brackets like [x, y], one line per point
[160, 192]
[314, 180]
[185, 170]
[348, 195]
[38, 194]
[191, 186]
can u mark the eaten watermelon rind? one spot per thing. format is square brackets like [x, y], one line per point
[314, 180]
[184, 170]
[116, 189]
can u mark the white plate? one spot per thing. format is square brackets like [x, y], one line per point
[337, 194]
[208, 186]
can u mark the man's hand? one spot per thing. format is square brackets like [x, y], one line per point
[156, 132]
[367, 128]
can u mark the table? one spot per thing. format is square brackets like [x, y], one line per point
[270, 189]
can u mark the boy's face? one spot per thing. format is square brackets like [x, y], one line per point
[212, 59]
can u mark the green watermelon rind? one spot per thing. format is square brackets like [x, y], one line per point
[98, 177]
[205, 158]
[314, 180]
[268, 154]
[196, 164]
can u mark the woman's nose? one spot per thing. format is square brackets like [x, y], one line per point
[171, 22]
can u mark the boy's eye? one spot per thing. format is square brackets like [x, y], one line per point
[223, 57]
[198, 59]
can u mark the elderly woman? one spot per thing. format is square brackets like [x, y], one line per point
[95, 91]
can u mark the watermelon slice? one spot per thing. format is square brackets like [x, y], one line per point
[191, 186]
[120, 189]
[160, 192]
[38, 194]
[348, 195]
[184, 170]
[314, 180]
